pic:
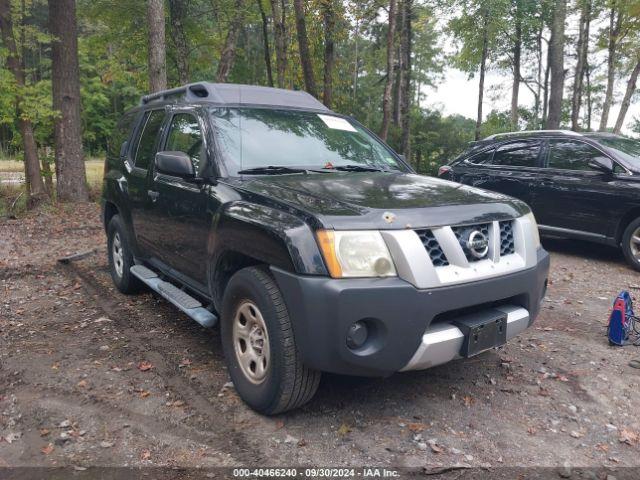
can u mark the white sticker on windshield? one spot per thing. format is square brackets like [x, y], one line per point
[337, 123]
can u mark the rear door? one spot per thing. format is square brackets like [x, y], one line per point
[183, 207]
[147, 232]
[511, 168]
[571, 195]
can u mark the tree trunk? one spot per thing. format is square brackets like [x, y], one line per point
[547, 71]
[157, 48]
[557, 65]
[517, 50]
[583, 49]
[329, 21]
[405, 91]
[539, 73]
[265, 39]
[177, 12]
[280, 34]
[483, 67]
[71, 176]
[228, 55]
[303, 48]
[631, 88]
[614, 30]
[35, 186]
[388, 88]
[587, 78]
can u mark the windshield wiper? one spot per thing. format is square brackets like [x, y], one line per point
[271, 170]
[357, 168]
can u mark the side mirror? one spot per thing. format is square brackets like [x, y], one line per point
[602, 164]
[177, 164]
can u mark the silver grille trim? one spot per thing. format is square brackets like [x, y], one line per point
[415, 263]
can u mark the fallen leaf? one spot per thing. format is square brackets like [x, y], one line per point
[628, 436]
[344, 430]
[145, 366]
[603, 447]
[177, 403]
[44, 432]
[302, 443]
[279, 424]
[106, 444]
[185, 362]
[82, 384]
[48, 449]
[435, 447]
[416, 427]
[468, 400]
[532, 430]
[145, 394]
[145, 455]
[543, 392]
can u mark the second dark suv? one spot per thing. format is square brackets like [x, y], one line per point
[583, 186]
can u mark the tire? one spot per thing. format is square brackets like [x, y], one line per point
[631, 248]
[121, 257]
[282, 382]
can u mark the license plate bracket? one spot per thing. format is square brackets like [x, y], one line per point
[482, 331]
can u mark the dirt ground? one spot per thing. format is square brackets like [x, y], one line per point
[90, 377]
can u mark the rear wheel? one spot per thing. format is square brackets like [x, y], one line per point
[631, 243]
[120, 257]
[259, 345]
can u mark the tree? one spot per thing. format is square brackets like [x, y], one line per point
[71, 183]
[177, 14]
[280, 34]
[517, 52]
[405, 76]
[265, 40]
[631, 88]
[582, 51]
[157, 48]
[329, 24]
[303, 46]
[386, 98]
[35, 186]
[556, 60]
[483, 68]
[229, 51]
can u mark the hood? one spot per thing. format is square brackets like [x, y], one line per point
[364, 199]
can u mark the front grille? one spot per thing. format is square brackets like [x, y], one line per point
[507, 245]
[431, 245]
[462, 234]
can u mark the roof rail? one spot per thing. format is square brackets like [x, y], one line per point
[198, 90]
[531, 132]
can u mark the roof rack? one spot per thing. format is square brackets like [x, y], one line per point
[531, 132]
[229, 93]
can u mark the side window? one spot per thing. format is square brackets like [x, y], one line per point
[146, 146]
[571, 155]
[517, 154]
[481, 158]
[184, 136]
[120, 135]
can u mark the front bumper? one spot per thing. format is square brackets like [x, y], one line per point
[400, 316]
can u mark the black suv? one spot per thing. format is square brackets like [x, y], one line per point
[583, 186]
[310, 241]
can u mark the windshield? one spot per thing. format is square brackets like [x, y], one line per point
[626, 148]
[253, 138]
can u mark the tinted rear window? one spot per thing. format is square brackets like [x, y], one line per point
[146, 147]
[517, 154]
[120, 135]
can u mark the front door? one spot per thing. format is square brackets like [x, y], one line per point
[183, 206]
[572, 196]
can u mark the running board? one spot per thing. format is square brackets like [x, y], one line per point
[181, 299]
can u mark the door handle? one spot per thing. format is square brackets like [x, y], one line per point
[154, 195]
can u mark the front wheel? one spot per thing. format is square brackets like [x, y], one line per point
[259, 345]
[631, 244]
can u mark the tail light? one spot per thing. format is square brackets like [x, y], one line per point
[444, 169]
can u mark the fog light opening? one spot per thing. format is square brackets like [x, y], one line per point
[357, 335]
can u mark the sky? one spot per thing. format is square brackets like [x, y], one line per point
[457, 94]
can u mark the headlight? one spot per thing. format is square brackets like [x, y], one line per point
[534, 229]
[355, 254]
